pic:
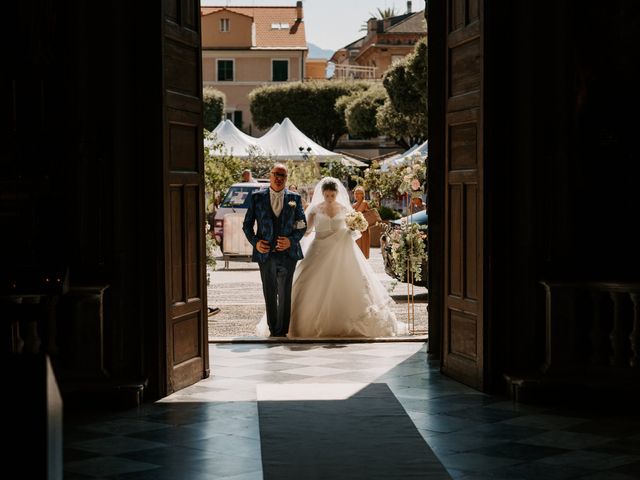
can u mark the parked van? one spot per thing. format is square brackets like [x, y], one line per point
[235, 201]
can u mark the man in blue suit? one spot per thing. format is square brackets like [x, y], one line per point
[281, 224]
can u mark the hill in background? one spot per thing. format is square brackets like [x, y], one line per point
[317, 52]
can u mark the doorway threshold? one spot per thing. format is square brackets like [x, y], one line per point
[400, 338]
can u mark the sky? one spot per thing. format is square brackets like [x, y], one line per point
[331, 24]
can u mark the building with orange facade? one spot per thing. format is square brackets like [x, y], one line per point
[246, 47]
[387, 41]
[315, 69]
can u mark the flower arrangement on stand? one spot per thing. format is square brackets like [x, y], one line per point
[408, 250]
[413, 175]
[408, 242]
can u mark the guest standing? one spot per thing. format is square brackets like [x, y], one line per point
[361, 205]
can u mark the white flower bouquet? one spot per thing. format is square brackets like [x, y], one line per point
[356, 221]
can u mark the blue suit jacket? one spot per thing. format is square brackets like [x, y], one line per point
[270, 226]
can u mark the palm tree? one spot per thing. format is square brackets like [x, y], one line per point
[380, 15]
[386, 13]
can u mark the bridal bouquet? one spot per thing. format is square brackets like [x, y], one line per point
[356, 221]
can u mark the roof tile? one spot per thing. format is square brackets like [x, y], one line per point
[264, 17]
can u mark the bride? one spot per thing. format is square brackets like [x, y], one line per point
[335, 291]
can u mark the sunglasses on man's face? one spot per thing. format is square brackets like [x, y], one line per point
[279, 175]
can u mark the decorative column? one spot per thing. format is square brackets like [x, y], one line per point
[634, 336]
[598, 334]
[617, 336]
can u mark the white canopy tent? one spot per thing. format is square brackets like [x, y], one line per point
[421, 150]
[273, 128]
[236, 142]
[282, 142]
[287, 142]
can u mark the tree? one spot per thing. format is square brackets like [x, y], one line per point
[407, 130]
[404, 115]
[381, 14]
[213, 107]
[360, 110]
[309, 105]
[406, 81]
[221, 170]
[304, 174]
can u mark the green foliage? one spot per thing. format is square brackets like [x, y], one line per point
[413, 175]
[304, 173]
[337, 169]
[386, 13]
[213, 107]
[404, 114]
[406, 81]
[360, 110]
[221, 170]
[408, 249]
[210, 247]
[406, 129]
[309, 105]
[259, 163]
[389, 184]
[343, 102]
[387, 213]
[378, 183]
[381, 14]
[417, 69]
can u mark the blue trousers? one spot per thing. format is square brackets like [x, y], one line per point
[277, 276]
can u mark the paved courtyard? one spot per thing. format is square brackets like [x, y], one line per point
[237, 291]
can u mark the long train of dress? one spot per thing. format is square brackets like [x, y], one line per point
[335, 291]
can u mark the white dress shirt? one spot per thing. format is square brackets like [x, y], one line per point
[277, 200]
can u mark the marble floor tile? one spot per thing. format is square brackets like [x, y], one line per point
[211, 429]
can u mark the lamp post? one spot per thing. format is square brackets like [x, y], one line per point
[305, 154]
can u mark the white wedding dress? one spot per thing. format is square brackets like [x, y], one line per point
[335, 292]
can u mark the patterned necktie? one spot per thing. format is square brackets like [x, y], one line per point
[276, 202]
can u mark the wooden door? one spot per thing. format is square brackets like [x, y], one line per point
[185, 286]
[462, 355]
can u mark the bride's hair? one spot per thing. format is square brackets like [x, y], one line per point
[329, 185]
[342, 198]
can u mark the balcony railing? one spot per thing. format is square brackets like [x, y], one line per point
[592, 343]
[355, 72]
[595, 324]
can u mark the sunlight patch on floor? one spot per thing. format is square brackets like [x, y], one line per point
[269, 392]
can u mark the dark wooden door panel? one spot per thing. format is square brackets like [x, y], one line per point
[187, 353]
[186, 322]
[462, 356]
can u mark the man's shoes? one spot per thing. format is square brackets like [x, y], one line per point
[213, 311]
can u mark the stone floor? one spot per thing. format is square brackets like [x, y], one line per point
[212, 430]
[237, 291]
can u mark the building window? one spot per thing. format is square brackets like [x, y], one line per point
[224, 24]
[280, 70]
[235, 117]
[225, 70]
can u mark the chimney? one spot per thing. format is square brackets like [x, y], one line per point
[408, 6]
[372, 25]
[299, 10]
